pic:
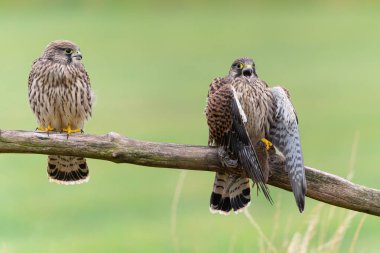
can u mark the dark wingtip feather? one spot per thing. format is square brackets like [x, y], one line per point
[299, 195]
[300, 203]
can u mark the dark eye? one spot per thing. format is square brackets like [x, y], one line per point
[68, 51]
[239, 66]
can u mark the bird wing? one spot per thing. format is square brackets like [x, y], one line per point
[218, 111]
[226, 120]
[33, 82]
[35, 65]
[89, 94]
[284, 134]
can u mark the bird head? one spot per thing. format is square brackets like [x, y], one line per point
[243, 67]
[63, 52]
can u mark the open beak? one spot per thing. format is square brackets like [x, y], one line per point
[77, 55]
[248, 71]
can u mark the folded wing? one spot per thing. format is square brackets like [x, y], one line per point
[226, 120]
[284, 134]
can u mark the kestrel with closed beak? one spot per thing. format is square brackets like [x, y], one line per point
[61, 98]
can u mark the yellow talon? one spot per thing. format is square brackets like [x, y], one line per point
[68, 130]
[47, 129]
[267, 143]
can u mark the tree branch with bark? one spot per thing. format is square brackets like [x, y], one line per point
[322, 186]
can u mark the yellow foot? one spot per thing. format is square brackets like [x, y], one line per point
[267, 143]
[47, 129]
[69, 131]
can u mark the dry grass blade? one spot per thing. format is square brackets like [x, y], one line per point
[288, 228]
[260, 231]
[310, 229]
[333, 244]
[276, 218]
[354, 151]
[173, 221]
[325, 225]
[231, 248]
[262, 248]
[295, 243]
[4, 248]
[356, 235]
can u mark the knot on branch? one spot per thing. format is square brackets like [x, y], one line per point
[112, 137]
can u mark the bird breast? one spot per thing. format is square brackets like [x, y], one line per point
[60, 96]
[61, 75]
[256, 101]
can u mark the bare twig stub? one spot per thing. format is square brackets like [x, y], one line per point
[113, 147]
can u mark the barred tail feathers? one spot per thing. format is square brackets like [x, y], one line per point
[67, 170]
[230, 193]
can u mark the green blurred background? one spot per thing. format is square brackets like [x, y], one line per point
[150, 64]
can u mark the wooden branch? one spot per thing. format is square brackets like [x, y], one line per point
[113, 147]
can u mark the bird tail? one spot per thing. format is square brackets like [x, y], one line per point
[230, 193]
[67, 169]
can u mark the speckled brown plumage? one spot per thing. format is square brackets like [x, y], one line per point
[241, 110]
[60, 96]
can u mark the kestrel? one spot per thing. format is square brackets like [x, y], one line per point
[244, 114]
[61, 98]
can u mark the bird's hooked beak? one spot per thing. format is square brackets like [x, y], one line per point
[77, 55]
[248, 71]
